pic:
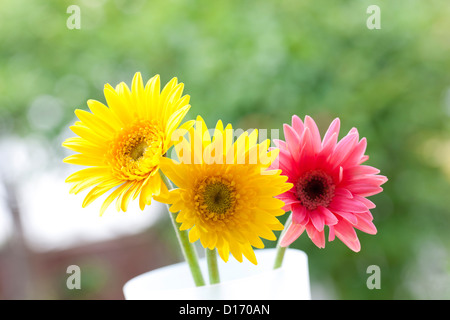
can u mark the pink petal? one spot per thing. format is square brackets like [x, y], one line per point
[354, 245]
[345, 232]
[280, 144]
[361, 169]
[332, 133]
[329, 217]
[318, 237]
[331, 234]
[382, 179]
[315, 134]
[365, 215]
[317, 220]
[342, 149]
[341, 174]
[288, 198]
[286, 164]
[364, 190]
[297, 124]
[307, 141]
[299, 214]
[327, 149]
[354, 131]
[363, 159]
[376, 180]
[292, 233]
[346, 205]
[307, 155]
[365, 226]
[292, 142]
[369, 204]
[345, 229]
[350, 217]
[342, 192]
[356, 154]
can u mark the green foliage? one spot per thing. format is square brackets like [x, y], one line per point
[255, 64]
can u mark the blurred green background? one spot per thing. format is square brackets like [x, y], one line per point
[254, 64]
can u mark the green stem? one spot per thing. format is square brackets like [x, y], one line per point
[186, 246]
[281, 250]
[213, 270]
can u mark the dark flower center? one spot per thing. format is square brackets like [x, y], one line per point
[138, 150]
[216, 198]
[315, 188]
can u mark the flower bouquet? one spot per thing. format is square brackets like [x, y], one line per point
[223, 189]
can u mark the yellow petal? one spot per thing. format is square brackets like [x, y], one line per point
[174, 171]
[248, 252]
[193, 235]
[174, 122]
[112, 196]
[152, 97]
[85, 159]
[81, 145]
[89, 135]
[99, 190]
[116, 105]
[86, 173]
[95, 123]
[103, 112]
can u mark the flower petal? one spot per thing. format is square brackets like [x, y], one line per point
[315, 134]
[292, 142]
[345, 204]
[316, 236]
[317, 220]
[365, 225]
[332, 133]
[292, 233]
[342, 150]
[299, 214]
[329, 218]
[345, 232]
[297, 124]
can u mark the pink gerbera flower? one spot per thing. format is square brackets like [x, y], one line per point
[330, 183]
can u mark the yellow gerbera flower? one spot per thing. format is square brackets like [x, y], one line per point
[225, 193]
[122, 143]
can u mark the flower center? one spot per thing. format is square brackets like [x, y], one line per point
[315, 188]
[135, 152]
[138, 151]
[215, 198]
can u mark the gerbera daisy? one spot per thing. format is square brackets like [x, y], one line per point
[226, 194]
[330, 183]
[122, 143]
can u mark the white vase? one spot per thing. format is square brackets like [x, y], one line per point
[239, 281]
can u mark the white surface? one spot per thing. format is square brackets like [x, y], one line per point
[240, 281]
[55, 219]
[52, 218]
